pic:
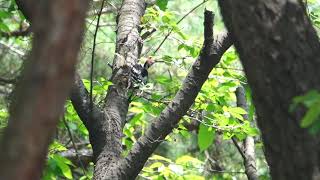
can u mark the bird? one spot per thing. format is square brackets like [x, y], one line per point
[139, 73]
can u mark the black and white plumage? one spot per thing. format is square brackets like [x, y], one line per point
[140, 73]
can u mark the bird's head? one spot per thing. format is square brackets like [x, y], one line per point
[149, 62]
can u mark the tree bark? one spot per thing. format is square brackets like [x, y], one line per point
[279, 50]
[43, 88]
[247, 150]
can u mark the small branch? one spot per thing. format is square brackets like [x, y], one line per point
[238, 147]
[13, 49]
[74, 145]
[85, 156]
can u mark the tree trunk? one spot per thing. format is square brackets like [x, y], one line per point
[43, 88]
[279, 50]
[106, 140]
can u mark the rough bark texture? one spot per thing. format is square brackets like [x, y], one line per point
[280, 53]
[41, 92]
[248, 151]
[106, 134]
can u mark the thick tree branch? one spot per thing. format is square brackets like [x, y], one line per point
[279, 50]
[210, 55]
[43, 88]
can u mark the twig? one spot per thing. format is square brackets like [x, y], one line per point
[225, 68]
[169, 33]
[13, 49]
[17, 33]
[92, 57]
[74, 145]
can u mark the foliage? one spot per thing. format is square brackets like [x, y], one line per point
[311, 100]
[184, 167]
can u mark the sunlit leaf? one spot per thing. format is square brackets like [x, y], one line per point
[63, 164]
[205, 137]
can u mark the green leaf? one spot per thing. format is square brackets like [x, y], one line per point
[4, 27]
[63, 165]
[166, 19]
[308, 99]
[311, 116]
[252, 131]
[205, 137]
[237, 110]
[56, 146]
[186, 160]
[156, 165]
[315, 128]
[4, 14]
[86, 83]
[194, 177]
[162, 4]
[161, 158]
[163, 80]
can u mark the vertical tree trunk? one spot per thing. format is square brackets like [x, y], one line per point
[279, 50]
[106, 139]
[41, 92]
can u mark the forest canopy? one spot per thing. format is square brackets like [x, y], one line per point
[159, 89]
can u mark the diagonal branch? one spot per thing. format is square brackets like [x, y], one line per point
[162, 126]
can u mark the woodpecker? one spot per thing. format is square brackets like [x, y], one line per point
[140, 73]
